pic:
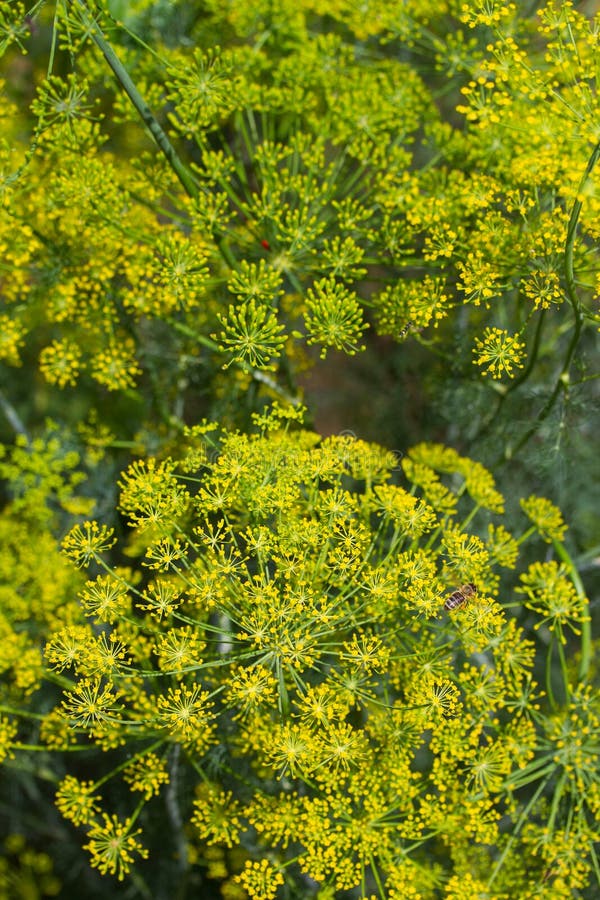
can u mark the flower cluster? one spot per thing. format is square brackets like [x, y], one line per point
[300, 626]
[260, 660]
[302, 190]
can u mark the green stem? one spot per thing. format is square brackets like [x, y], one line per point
[540, 768]
[149, 119]
[466, 522]
[556, 799]
[563, 668]
[595, 864]
[551, 698]
[52, 53]
[127, 762]
[586, 626]
[284, 702]
[376, 876]
[256, 374]
[12, 417]
[515, 831]
[516, 382]
[24, 713]
[142, 108]
[562, 383]
[571, 232]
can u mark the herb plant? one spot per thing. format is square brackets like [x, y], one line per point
[231, 666]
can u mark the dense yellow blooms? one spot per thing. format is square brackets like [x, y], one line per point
[296, 648]
[299, 666]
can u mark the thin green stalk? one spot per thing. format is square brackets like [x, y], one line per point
[536, 770]
[12, 177]
[515, 831]
[142, 108]
[572, 230]
[127, 762]
[468, 519]
[256, 374]
[283, 698]
[53, 45]
[376, 876]
[595, 864]
[135, 37]
[563, 668]
[516, 382]
[557, 797]
[551, 698]
[25, 714]
[586, 625]
[12, 417]
[173, 807]
[562, 383]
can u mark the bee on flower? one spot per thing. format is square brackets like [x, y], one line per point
[460, 596]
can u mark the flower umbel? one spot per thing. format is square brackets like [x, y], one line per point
[76, 801]
[260, 880]
[113, 845]
[550, 593]
[334, 317]
[85, 543]
[251, 334]
[546, 518]
[186, 713]
[91, 703]
[499, 351]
